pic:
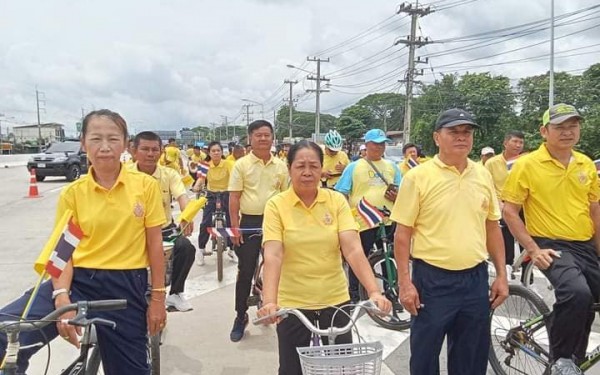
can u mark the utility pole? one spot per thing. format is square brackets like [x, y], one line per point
[37, 101]
[551, 78]
[413, 42]
[318, 92]
[226, 126]
[290, 103]
[247, 114]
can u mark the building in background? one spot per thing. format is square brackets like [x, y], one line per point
[51, 132]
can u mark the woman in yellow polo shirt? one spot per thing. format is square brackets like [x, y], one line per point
[120, 215]
[216, 181]
[304, 229]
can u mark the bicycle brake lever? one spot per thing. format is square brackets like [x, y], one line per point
[103, 322]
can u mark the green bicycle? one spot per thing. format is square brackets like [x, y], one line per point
[385, 269]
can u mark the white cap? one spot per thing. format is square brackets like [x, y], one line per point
[362, 147]
[487, 150]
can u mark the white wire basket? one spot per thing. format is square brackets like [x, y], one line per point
[343, 359]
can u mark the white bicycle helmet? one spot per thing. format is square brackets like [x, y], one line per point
[333, 140]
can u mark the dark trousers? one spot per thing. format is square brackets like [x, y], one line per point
[509, 243]
[247, 254]
[456, 307]
[123, 350]
[207, 215]
[368, 238]
[291, 334]
[183, 255]
[575, 277]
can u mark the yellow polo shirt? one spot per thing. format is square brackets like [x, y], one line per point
[113, 221]
[197, 158]
[447, 211]
[170, 158]
[497, 167]
[218, 175]
[311, 271]
[230, 157]
[258, 181]
[556, 200]
[329, 163]
[189, 152]
[171, 187]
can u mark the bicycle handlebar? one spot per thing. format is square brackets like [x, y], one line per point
[331, 331]
[82, 308]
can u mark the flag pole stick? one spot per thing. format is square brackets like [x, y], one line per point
[27, 308]
[34, 294]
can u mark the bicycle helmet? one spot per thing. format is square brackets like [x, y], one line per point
[333, 141]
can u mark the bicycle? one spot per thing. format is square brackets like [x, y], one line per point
[385, 269]
[360, 358]
[88, 361]
[255, 298]
[519, 339]
[219, 221]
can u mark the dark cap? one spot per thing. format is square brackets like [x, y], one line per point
[559, 113]
[454, 117]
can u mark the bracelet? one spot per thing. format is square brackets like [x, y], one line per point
[58, 292]
[162, 290]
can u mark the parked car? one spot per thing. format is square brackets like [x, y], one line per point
[60, 159]
[393, 153]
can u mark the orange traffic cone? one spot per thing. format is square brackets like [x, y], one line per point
[33, 190]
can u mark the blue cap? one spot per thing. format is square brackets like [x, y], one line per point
[376, 136]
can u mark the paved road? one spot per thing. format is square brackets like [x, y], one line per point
[196, 342]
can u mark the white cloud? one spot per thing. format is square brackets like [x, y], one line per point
[165, 65]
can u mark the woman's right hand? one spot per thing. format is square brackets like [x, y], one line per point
[269, 309]
[68, 332]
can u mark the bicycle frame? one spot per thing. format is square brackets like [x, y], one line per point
[89, 343]
[390, 269]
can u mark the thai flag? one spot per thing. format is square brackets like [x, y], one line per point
[223, 232]
[412, 163]
[202, 170]
[370, 214]
[62, 252]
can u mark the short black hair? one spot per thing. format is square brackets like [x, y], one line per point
[254, 125]
[197, 148]
[304, 144]
[407, 146]
[514, 134]
[146, 136]
[171, 140]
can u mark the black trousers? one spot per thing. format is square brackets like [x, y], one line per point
[183, 255]
[367, 239]
[456, 306]
[247, 254]
[575, 277]
[291, 334]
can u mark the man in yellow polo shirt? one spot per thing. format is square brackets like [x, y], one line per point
[557, 188]
[335, 160]
[171, 156]
[411, 157]
[499, 167]
[448, 211]
[255, 178]
[195, 157]
[374, 179]
[146, 150]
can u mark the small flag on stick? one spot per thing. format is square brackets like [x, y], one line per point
[412, 163]
[60, 247]
[370, 214]
[202, 170]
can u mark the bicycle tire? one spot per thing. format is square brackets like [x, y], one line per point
[401, 318]
[504, 320]
[220, 248]
[154, 352]
[94, 361]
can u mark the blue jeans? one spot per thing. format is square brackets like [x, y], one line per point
[123, 350]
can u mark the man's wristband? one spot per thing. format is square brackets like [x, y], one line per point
[159, 290]
[58, 292]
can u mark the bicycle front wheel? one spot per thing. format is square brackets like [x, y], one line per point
[535, 280]
[400, 318]
[519, 339]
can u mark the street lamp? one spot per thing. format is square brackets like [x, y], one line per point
[295, 67]
[262, 109]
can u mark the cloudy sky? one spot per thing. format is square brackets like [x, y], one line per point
[170, 64]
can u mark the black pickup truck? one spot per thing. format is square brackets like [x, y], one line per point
[60, 159]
